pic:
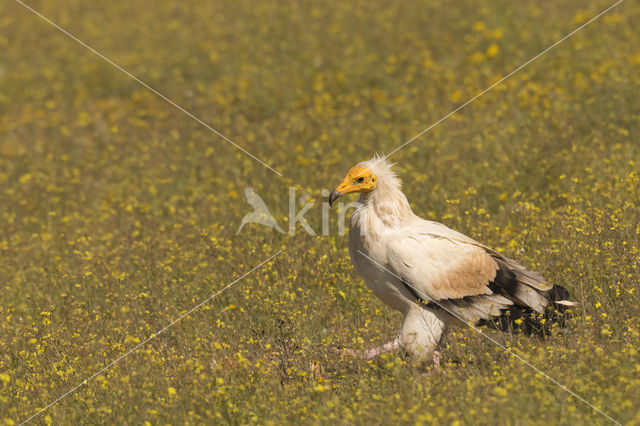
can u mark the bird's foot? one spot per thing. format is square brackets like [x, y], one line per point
[368, 354]
[435, 357]
[364, 354]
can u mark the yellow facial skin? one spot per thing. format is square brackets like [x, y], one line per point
[358, 179]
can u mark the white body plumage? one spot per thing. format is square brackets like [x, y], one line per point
[403, 258]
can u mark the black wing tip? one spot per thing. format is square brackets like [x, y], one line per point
[558, 292]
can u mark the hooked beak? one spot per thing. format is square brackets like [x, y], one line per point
[333, 197]
[346, 187]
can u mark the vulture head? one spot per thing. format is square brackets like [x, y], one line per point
[367, 177]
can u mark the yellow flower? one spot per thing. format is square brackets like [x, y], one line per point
[493, 50]
[479, 26]
[131, 339]
[500, 391]
[320, 388]
[456, 96]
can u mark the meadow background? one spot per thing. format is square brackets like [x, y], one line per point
[118, 213]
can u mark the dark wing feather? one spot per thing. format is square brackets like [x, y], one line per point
[521, 300]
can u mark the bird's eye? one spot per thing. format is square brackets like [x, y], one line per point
[360, 180]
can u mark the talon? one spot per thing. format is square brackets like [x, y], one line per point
[370, 354]
[436, 359]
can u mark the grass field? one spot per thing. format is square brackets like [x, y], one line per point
[118, 213]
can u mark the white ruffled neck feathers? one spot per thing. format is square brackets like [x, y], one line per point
[385, 205]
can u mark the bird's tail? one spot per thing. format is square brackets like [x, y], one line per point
[557, 311]
[524, 319]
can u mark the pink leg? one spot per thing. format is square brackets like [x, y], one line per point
[372, 353]
[436, 359]
[435, 356]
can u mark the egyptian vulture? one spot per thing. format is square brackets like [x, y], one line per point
[435, 276]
